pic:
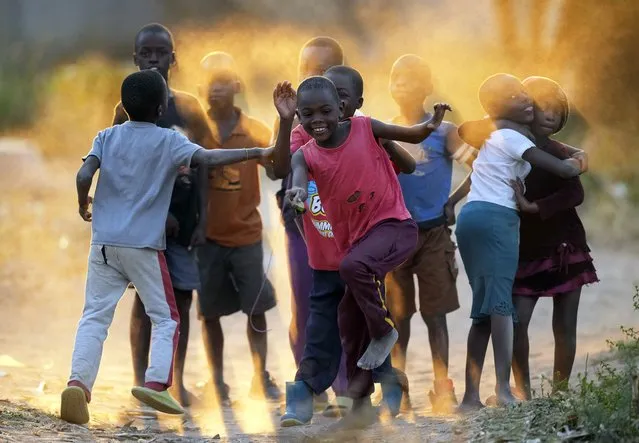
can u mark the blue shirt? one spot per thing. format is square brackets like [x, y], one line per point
[427, 189]
[138, 166]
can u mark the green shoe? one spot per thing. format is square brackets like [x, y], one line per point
[74, 407]
[160, 400]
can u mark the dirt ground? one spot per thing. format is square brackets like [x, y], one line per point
[42, 269]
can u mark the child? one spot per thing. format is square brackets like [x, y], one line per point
[131, 205]
[154, 49]
[221, 60]
[322, 359]
[426, 194]
[554, 259]
[316, 56]
[488, 227]
[371, 225]
[231, 260]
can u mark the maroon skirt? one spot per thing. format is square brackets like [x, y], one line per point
[565, 271]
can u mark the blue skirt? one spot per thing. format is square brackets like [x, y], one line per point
[488, 241]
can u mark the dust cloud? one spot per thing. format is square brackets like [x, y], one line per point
[584, 45]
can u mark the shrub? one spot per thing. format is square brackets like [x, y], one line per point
[20, 91]
[600, 406]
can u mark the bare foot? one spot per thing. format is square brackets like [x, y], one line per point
[506, 399]
[185, 397]
[377, 351]
[469, 406]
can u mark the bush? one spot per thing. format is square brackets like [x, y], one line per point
[80, 103]
[20, 92]
[605, 403]
[600, 407]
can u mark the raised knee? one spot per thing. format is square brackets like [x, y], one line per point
[349, 267]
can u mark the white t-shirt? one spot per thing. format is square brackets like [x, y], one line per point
[499, 161]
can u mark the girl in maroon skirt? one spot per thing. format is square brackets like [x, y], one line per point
[554, 258]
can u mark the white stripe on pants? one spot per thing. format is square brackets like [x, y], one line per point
[110, 270]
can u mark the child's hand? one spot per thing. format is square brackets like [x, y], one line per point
[84, 210]
[172, 226]
[582, 158]
[266, 156]
[524, 204]
[296, 197]
[575, 163]
[285, 100]
[438, 115]
[198, 238]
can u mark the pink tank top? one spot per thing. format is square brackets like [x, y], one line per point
[358, 184]
[323, 254]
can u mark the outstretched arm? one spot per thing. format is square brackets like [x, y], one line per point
[410, 134]
[400, 156]
[285, 100]
[219, 157]
[83, 181]
[197, 124]
[276, 130]
[297, 194]
[567, 168]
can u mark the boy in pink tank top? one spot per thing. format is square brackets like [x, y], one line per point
[322, 354]
[363, 202]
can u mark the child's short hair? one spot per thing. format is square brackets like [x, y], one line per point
[491, 91]
[142, 92]
[156, 28]
[326, 42]
[216, 60]
[218, 63]
[318, 82]
[413, 63]
[543, 88]
[355, 76]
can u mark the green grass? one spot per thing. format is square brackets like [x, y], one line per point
[599, 407]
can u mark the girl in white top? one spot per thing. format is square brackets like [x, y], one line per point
[488, 225]
[500, 161]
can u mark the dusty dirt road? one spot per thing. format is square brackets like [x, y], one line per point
[42, 266]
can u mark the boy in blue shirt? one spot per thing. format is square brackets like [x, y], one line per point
[426, 194]
[139, 163]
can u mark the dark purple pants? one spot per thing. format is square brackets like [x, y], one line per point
[363, 314]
